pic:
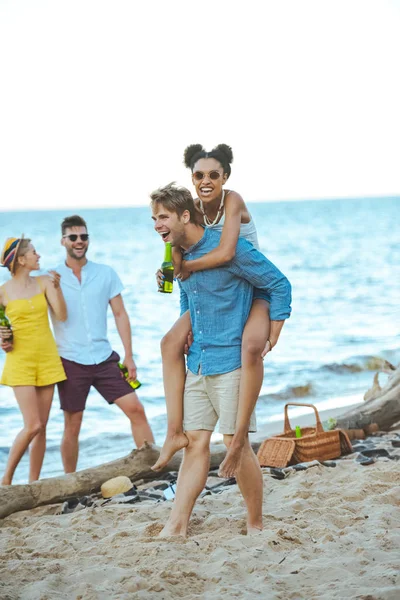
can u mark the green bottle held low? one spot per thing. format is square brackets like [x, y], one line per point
[4, 322]
[167, 269]
[134, 384]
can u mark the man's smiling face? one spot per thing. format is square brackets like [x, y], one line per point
[74, 244]
[169, 225]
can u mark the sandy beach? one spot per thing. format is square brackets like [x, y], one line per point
[328, 533]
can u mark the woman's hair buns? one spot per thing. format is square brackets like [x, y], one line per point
[190, 153]
[225, 149]
[222, 153]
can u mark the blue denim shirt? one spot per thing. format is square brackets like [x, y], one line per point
[219, 301]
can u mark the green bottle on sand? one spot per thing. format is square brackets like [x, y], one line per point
[167, 269]
[134, 384]
[4, 322]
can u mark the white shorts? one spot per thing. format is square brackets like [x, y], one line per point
[208, 398]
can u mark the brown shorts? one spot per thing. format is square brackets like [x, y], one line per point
[105, 377]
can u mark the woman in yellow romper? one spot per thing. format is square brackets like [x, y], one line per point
[32, 364]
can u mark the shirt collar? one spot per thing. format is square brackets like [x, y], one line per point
[69, 269]
[200, 243]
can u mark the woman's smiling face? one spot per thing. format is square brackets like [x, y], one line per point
[208, 177]
[30, 260]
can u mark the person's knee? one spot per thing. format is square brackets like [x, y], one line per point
[252, 349]
[171, 345]
[72, 425]
[36, 428]
[198, 441]
[135, 410]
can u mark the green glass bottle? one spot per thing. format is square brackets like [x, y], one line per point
[167, 269]
[4, 322]
[134, 384]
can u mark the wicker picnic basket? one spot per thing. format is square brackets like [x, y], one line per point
[315, 444]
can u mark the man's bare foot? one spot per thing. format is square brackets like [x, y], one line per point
[172, 444]
[173, 530]
[254, 530]
[231, 462]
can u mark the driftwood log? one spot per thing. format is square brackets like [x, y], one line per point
[381, 406]
[135, 465]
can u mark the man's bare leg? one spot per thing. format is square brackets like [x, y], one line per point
[133, 409]
[191, 481]
[250, 481]
[174, 375]
[70, 440]
[255, 337]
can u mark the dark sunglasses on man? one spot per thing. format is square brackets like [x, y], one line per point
[73, 237]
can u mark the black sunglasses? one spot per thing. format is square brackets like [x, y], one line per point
[73, 237]
[199, 175]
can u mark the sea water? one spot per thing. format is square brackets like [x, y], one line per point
[342, 258]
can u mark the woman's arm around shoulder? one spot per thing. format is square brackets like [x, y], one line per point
[54, 296]
[225, 251]
[234, 210]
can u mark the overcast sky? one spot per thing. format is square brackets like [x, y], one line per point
[98, 99]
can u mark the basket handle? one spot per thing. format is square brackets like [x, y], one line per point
[288, 427]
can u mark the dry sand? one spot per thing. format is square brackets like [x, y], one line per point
[329, 533]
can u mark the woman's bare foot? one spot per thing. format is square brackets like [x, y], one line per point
[172, 444]
[231, 462]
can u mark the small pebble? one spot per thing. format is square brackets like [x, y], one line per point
[365, 460]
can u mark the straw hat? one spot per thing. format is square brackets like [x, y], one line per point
[116, 485]
[10, 251]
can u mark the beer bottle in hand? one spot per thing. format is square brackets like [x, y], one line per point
[4, 322]
[134, 384]
[167, 269]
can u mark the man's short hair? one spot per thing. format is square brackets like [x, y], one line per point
[175, 199]
[73, 221]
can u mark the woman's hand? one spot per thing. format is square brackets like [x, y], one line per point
[5, 333]
[55, 279]
[268, 348]
[5, 339]
[6, 346]
[184, 273]
[189, 342]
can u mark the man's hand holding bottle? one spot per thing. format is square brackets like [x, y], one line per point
[130, 365]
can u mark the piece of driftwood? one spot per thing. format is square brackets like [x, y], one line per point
[136, 465]
[381, 406]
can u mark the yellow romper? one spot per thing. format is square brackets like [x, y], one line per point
[34, 359]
